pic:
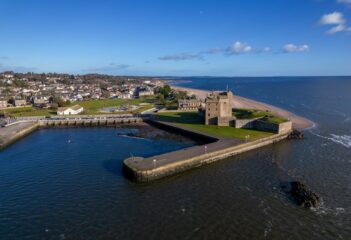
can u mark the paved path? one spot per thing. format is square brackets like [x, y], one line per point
[186, 153]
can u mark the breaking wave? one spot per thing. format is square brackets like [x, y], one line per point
[344, 140]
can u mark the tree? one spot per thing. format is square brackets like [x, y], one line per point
[180, 95]
[165, 91]
[161, 99]
[55, 99]
[11, 101]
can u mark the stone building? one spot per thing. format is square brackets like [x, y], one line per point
[189, 104]
[218, 110]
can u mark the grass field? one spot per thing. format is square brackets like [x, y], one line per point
[93, 107]
[28, 112]
[90, 107]
[253, 113]
[193, 121]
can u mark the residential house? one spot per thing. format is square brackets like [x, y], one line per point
[189, 104]
[76, 109]
[3, 104]
[145, 92]
[20, 102]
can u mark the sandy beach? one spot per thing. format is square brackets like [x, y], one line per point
[241, 102]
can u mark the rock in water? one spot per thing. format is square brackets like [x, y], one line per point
[295, 134]
[304, 196]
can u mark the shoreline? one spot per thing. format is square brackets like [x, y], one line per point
[299, 123]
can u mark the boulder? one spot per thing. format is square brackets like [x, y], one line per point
[295, 134]
[303, 196]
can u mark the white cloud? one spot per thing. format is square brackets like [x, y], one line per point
[332, 18]
[337, 28]
[112, 67]
[181, 57]
[347, 2]
[239, 48]
[235, 49]
[337, 19]
[291, 48]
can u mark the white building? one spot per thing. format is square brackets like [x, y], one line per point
[76, 109]
[146, 92]
[3, 104]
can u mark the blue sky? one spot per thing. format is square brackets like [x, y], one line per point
[177, 38]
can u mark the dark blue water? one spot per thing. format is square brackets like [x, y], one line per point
[52, 189]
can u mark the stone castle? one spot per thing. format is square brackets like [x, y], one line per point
[218, 110]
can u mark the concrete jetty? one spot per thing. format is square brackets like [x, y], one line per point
[16, 131]
[149, 169]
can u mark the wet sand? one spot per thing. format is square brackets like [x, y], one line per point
[241, 102]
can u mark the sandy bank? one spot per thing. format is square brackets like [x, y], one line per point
[241, 102]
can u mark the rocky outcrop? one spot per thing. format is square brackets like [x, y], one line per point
[295, 134]
[303, 196]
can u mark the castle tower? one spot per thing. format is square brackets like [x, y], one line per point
[219, 109]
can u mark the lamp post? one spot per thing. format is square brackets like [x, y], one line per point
[205, 149]
[154, 162]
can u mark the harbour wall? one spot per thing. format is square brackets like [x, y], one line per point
[261, 125]
[151, 170]
[14, 133]
[274, 127]
[17, 130]
[88, 122]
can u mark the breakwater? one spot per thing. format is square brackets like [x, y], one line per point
[88, 122]
[14, 132]
[19, 129]
[156, 167]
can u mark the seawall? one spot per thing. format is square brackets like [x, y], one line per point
[11, 134]
[17, 130]
[153, 168]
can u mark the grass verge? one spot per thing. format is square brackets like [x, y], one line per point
[193, 121]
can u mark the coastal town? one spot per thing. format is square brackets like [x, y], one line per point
[32, 101]
[54, 90]
[38, 101]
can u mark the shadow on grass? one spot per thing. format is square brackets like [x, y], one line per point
[180, 117]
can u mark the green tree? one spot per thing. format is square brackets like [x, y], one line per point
[166, 91]
[161, 99]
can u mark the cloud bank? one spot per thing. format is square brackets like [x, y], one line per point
[112, 67]
[292, 48]
[237, 48]
[336, 20]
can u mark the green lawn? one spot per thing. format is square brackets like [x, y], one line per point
[193, 121]
[244, 113]
[28, 112]
[90, 107]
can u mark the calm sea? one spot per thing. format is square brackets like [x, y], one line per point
[67, 183]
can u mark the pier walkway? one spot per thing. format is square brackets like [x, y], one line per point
[149, 169]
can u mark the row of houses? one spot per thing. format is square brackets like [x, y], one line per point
[38, 93]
